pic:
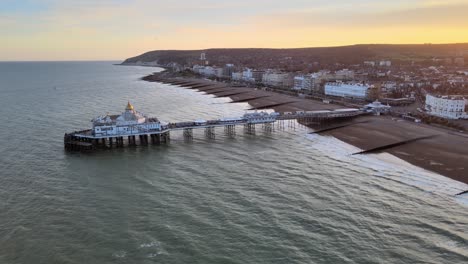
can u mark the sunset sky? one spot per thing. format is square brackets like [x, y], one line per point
[117, 29]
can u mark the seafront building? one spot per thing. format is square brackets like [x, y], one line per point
[277, 79]
[247, 75]
[343, 75]
[257, 75]
[353, 90]
[385, 63]
[209, 71]
[236, 76]
[228, 70]
[314, 81]
[303, 82]
[449, 106]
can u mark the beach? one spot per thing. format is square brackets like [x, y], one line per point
[444, 151]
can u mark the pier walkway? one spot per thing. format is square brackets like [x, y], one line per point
[89, 140]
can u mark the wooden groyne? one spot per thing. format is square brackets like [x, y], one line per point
[336, 127]
[389, 146]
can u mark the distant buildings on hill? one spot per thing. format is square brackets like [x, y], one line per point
[383, 63]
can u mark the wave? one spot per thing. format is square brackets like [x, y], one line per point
[387, 166]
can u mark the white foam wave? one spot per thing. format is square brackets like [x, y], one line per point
[119, 254]
[387, 165]
[149, 245]
[153, 255]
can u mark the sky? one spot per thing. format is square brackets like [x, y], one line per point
[118, 29]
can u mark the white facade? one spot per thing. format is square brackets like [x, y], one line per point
[247, 75]
[227, 70]
[218, 72]
[303, 82]
[346, 90]
[451, 107]
[128, 123]
[208, 71]
[277, 79]
[236, 76]
[385, 63]
[344, 74]
[389, 86]
[197, 68]
[257, 75]
[299, 83]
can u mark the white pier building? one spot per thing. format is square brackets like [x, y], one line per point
[129, 122]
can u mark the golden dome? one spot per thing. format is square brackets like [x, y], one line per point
[129, 107]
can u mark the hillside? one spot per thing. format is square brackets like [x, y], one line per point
[295, 58]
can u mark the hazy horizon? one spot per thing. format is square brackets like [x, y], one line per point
[52, 30]
[122, 59]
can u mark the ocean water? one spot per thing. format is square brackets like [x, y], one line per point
[281, 197]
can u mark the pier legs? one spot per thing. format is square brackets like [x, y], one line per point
[119, 142]
[230, 130]
[131, 141]
[188, 134]
[292, 124]
[165, 138]
[280, 124]
[210, 132]
[249, 129]
[156, 139]
[143, 139]
[268, 127]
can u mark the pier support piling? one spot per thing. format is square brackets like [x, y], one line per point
[249, 129]
[210, 132]
[230, 130]
[188, 134]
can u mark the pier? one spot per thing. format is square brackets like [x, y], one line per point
[132, 128]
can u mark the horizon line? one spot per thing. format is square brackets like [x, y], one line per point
[214, 48]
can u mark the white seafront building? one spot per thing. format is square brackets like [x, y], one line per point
[448, 106]
[277, 79]
[354, 90]
[247, 75]
[128, 123]
[236, 76]
[302, 83]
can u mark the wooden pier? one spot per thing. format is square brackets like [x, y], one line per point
[87, 140]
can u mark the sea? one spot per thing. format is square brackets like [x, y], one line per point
[274, 197]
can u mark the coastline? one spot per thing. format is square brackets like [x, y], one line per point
[446, 153]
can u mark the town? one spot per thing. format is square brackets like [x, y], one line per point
[432, 90]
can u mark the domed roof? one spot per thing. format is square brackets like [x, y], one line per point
[129, 107]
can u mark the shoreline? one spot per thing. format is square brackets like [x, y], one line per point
[446, 153]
